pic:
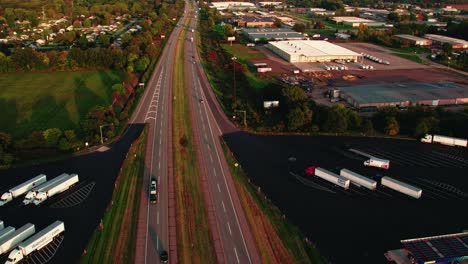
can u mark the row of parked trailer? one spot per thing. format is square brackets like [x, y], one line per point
[335, 67]
[38, 189]
[25, 240]
[375, 59]
[348, 177]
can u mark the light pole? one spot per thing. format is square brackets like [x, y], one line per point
[245, 116]
[234, 73]
[100, 129]
[448, 63]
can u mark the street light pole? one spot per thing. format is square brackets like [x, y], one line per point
[245, 116]
[100, 129]
[234, 71]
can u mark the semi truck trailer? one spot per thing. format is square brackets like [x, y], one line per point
[402, 187]
[36, 242]
[6, 231]
[56, 188]
[1, 225]
[377, 162]
[358, 179]
[332, 177]
[444, 140]
[29, 198]
[12, 240]
[22, 188]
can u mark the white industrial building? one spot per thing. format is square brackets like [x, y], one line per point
[311, 51]
[356, 21]
[232, 5]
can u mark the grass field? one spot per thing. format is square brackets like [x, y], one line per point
[243, 52]
[115, 243]
[411, 57]
[194, 242]
[416, 49]
[37, 101]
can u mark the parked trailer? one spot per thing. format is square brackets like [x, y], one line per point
[377, 162]
[6, 231]
[359, 179]
[332, 177]
[22, 188]
[1, 225]
[57, 188]
[449, 141]
[401, 187]
[12, 240]
[32, 194]
[36, 242]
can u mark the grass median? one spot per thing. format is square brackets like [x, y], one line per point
[114, 241]
[278, 240]
[194, 244]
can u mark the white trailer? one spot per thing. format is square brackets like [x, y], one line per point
[377, 162]
[358, 179]
[444, 140]
[57, 188]
[332, 177]
[402, 187]
[6, 231]
[29, 198]
[22, 188]
[36, 242]
[12, 240]
[1, 225]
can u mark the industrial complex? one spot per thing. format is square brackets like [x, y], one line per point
[439, 39]
[272, 34]
[413, 40]
[356, 21]
[311, 51]
[403, 95]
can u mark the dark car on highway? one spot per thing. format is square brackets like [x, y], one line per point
[163, 256]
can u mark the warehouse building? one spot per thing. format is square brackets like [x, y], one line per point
[403, 95]
[356, 21]
[311, 51]
[257, 34]
[413, 40]
[232, 5]
[253, 21]
[440, 40]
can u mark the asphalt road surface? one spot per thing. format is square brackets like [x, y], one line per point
[233, 239]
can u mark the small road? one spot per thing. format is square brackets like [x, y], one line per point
[233, 239]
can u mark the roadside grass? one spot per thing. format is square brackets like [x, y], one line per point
[115, 243]
[243, 52]
[325, 31]
[37, 101]
[411, 57]
[417, 50]
[339, 26]
[194, 244]
[278, 240]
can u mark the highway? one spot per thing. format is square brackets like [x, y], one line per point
[228, 223]
[156, 226]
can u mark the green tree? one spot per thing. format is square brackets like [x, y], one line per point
[368, 127]
[118, 88]
[52, 136]
[142, 63]
[392, 127]
[299, 27]
[336, 119]
[103, 40]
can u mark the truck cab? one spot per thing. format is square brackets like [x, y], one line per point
[427, 139]
[6, 197]
[14, 257]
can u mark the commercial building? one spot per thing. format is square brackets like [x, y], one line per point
[266, 4]
[413, 40]
[356, 21]
[232, 5]
[403, 95]
[256, 34]
[253, 21]
[311, 51]
[439, 39]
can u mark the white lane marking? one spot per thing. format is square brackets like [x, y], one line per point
[219, 189]
[160, 140]
[235, 251]
[157, 218]
[214, 172]
[159, 165]
[211, 158]
[229, 227]
[224, 207]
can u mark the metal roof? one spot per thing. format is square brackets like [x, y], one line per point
[411, 37]
[445, 248]
[312, 48]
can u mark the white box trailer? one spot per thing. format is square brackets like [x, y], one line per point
[377, 162]
[36, 242]
[332, 177]
[1, 225]
[12, 240]
[402, 187]
[6, 231]
[444, 140]
[358, 179]
[56, 188]
[22, 188]
[29, 198]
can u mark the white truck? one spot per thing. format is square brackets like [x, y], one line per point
[191, 39]
[444, 140]
[22, 189]
[29, 198]
[36, 242]
[56, 188]
[6, 231]
[13, 239]
[1, 225]
[377, 162]
[402, 187]
[332, 177]
[358, 179]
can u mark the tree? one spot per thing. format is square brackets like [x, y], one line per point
[336, 119]
[299, 27]
[392, 127]
[118, 89]
[228, 30]
[83, 42]
[141, 64]
[52, 136]
[103, 40]
[295, 119]
[367, 127]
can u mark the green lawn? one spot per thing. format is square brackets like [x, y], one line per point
[339, 26]
[37, 101]
[410, 57]
[243, 52]
[417, 50]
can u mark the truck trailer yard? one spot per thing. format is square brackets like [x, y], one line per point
[377, 219]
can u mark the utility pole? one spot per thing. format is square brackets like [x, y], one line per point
[245, 116]
[234, 70]
[100, 129]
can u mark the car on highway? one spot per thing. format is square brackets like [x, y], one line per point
[163, 256]
[153, 192]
